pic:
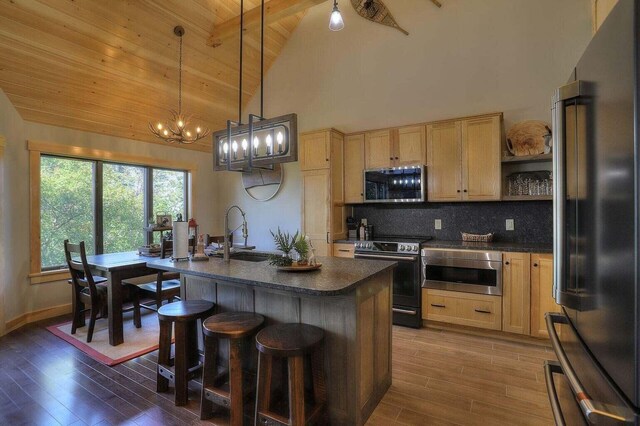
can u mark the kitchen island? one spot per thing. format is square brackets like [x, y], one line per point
[349, 299]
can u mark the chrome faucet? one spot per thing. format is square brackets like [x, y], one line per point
[227, 232]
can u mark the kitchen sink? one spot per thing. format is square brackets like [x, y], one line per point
[250, 257]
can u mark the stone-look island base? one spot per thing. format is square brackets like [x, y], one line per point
[349, 299]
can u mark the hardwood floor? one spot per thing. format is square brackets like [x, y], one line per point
[439, 378]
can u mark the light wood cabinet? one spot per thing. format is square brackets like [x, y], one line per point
[476, 310]
[315, 150]
[464, 161]
[323, 209]
[410, 147]
[516, 292]
[444, 168]
[354, 169]
[542, 300]
[396, 147]
[481, 161]
[378, 149]
[343, 250]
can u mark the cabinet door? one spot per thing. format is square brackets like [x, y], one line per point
[443, 165]
[338, 219]
[410, 147]
[315, 150]
[542, 300]
[343, 250]
[516, 292]
[316, 209]
[353, 169]
[481, 159]
[378, 150]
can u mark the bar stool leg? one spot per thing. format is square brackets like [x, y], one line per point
[181, 363]
[164, 355]
[263, 392]
[235, 382]
[209, 370]
[296, 390]
[317, 372]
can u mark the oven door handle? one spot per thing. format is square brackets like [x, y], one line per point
[405, 311]
[385, 257]
[591, 409]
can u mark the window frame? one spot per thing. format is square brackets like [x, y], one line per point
[38, 148]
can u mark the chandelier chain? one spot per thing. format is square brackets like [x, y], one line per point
[180, 81]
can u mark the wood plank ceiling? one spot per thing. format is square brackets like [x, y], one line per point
[111, 66]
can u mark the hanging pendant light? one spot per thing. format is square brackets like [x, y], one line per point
[178, 130]
[264, 141]
[335, 21]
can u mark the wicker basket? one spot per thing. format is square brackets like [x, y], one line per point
[482, 238]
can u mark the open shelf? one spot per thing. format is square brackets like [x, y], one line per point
[526, 197]
[527, 158]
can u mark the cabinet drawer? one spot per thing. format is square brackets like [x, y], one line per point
[476, 310]
[343, 250]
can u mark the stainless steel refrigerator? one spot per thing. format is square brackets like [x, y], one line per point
[597, 230]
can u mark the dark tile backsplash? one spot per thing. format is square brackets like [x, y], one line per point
[533, 220]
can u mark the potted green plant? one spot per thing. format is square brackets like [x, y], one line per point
[284, 243]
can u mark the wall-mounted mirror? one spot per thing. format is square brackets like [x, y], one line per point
[263, 185]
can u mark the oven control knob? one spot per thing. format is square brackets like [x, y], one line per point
[415, 248]
[369, 245]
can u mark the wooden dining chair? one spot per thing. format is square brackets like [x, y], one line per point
[91, 290]
[163, 285]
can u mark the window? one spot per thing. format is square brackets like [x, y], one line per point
[105, 204]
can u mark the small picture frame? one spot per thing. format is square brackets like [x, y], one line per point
[163, 220]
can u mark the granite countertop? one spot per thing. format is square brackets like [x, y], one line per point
[496, 246]
[336, 276]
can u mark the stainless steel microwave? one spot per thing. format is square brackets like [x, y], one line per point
[404, 184]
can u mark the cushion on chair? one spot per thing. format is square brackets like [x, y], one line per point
[166, 285]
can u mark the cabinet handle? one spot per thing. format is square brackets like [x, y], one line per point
[435, 305]
[396, 158]
[326, 159]
[464, 190]
[327, 237]
[362, 194]
[390, 158]
[482, 311]
[506, 263]
[535, 265]
[458, 191]
[345, 250]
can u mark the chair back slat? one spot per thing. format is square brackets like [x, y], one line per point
[79, 269]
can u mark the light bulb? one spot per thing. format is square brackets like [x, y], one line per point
[280, 138]
[256, 142]
[188, 134]
[269, 140]
[180, 123]
[166, 132]
[244, 144]
[225, 147]
[234, 146]
[198, 129]
[335, 22]
[159, 126]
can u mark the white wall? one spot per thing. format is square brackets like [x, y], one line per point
[20, 296]
[467, 58]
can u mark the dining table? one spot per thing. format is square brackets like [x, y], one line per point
[117, 267]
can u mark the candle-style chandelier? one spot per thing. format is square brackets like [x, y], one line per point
[177, 129]
[262, 142]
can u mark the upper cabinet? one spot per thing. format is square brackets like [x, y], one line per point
[354, 168]
[315, 150]
[410, 146]
[395, 147]
[378, 149]
[464, 159]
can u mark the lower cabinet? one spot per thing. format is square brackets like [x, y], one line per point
[475, 310]
[516, 292]
[343, 250]
[542, 300]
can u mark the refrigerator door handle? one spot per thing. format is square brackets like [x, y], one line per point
[592, 410]
[559, 196]
[551, 367]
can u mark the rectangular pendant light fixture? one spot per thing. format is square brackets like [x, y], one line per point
[259, 144]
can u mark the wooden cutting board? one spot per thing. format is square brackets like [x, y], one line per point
[528, 137]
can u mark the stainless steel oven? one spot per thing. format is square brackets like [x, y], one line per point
[462, 270]
[406, 276]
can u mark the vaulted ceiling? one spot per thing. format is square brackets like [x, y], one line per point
[111, 66]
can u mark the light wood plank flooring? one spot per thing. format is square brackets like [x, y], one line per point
[439, 378]
[457, 377]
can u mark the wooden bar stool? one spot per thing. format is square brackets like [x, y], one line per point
[293, 342]
[183, 367]
[233, 326]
